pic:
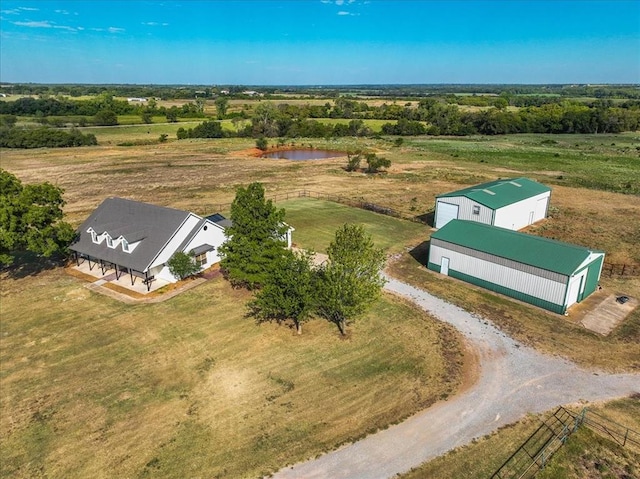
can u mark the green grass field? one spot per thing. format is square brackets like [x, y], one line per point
[606, 162]
[317, 220]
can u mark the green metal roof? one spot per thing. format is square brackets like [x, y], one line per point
[499, 193]
[544, 253]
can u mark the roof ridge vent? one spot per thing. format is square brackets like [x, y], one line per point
[489, 192]
[515, 184]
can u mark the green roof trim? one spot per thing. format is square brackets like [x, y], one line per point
[499, 193]
[544, 253]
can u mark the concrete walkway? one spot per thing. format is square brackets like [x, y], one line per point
[514, 380]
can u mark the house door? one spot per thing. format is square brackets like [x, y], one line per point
[531, 217]
[444, 266]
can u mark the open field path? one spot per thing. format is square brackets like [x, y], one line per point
[513, 380]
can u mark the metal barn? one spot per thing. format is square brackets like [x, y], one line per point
[511, 203]
[540, 271]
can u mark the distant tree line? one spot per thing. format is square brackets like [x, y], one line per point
[44, 137]
[431, 117]
[169, 92]
[97, 107]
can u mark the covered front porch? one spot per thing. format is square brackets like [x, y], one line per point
[106, 272]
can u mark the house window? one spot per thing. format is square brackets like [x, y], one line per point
[125, 245]
[476, 210]
[109, 242]
[94, 237]
[201, 259]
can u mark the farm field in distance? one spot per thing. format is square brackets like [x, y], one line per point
[163, 365]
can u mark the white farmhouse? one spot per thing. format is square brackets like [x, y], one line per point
[511, 203]
[138, 239]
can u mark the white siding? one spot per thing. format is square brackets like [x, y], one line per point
[170, 248]
[523, 213]
[213, 235]
[524, 282]
[162, 272]
[465, 210]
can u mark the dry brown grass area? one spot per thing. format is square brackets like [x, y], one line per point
[199, 175]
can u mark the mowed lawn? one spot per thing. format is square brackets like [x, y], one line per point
[191, 387]
[317, 220]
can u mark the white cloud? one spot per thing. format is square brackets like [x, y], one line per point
[115, 30]
[17, 11]
[46, 24]
[43, 24]
[343, 13]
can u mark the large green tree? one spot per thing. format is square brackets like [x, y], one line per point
[31, 219]
[255, 240]
[289, 291]
[351, 279]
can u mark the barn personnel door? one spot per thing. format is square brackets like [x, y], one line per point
[575, 288]
[446, 212]
[444, 266]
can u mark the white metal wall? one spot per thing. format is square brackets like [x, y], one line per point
[465, 210]
[524, 282]
[523, 213]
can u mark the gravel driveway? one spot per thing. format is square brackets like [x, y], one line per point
[514, 380]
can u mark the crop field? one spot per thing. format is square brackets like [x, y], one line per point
[131, 388]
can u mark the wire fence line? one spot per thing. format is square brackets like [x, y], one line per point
[353, 202]
[609, 270]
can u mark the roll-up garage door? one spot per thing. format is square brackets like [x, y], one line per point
[445, 213]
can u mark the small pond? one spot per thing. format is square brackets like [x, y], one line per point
[302, 154]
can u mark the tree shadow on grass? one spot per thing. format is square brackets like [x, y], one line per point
[30, 264]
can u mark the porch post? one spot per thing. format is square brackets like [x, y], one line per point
[132, 280]
[90, 265]
[75, 253]
[116, 267]
[146, 277]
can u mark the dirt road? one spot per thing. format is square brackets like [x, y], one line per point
[514, 380]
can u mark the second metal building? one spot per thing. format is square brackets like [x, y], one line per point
[544, 272]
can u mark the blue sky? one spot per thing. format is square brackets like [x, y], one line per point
[313, 42]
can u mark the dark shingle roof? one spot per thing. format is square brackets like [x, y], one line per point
[218, 219]
[499, 193]
[152, 225]
[544, 253]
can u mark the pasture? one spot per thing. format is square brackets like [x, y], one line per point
[92, 387]
[131, 389]
[585, 452]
